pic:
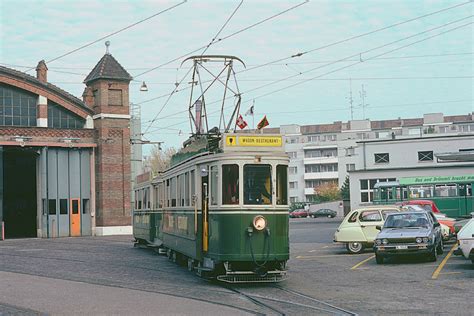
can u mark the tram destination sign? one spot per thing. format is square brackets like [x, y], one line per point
[436, 179]
[254, 141]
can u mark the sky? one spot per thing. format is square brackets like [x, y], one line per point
[399, 80]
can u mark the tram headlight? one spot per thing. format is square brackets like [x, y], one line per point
[259, 222]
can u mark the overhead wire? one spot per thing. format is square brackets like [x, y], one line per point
[178, 84]
[370, 58]
[329, 109]
[357, 54]
[112, 34]
[222, 28]
[358, 36]
[222, 39]
[366, 59]
[318, 48]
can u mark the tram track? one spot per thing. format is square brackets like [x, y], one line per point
[320, 307]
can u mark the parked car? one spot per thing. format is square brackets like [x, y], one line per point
[409, 233]
[323, 212]
[299, 213]
[466, 241]
[426, 204]
[357, 231]
[447, 224]
[460, 223]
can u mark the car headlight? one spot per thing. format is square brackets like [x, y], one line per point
[419, 240]
[259, 222]
[378, 241]
[426, 239]
[384, 241]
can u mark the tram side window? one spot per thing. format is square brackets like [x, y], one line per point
[230, 184]
[214, 178]
[446, 190]
[167, 193]
[186, 189]
[282, 185]
[193, 185]
[179, 190]
[257, 184]
[182, 191]
[173, 192]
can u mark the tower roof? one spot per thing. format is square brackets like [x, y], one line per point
[108, 68]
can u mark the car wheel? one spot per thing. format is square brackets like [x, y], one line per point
[355, 247]
[441, 247]
[379, 259]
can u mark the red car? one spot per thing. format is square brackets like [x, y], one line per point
[431, 206]
[426, 204]
[299, 213]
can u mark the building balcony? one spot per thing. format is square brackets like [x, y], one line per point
[321, 175]
[319, 160]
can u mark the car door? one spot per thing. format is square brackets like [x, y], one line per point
[368, 220]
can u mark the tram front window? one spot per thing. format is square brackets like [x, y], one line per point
[257, 189]
[282, 185]
[230, 184]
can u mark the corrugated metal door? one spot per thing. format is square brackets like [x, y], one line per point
[85, 177]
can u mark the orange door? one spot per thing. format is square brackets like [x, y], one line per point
[75, 218]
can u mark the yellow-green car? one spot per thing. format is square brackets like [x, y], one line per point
[358, 231]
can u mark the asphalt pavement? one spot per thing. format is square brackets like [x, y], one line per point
[108, 276]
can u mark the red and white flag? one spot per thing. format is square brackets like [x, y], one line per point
[241, 122]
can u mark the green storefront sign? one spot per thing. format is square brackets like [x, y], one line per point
[435, 179]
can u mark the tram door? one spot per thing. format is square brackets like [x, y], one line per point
[205, 210]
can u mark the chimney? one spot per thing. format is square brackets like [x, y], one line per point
[42, 72]
[88, 97]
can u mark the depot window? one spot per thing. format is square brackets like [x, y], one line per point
[230, 184]
[17, 107]
[258, 184]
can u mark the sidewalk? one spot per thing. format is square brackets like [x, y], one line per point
[27, 294]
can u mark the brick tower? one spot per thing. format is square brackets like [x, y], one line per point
[107, 93]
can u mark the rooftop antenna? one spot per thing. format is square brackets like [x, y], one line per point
[107, 44]
[351, 100]
[363, 95]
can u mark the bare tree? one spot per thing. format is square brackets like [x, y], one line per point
[159, 160]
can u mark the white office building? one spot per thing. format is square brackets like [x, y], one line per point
[328, 152]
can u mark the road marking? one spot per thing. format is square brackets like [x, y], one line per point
[443, 263]
[362, 262]
[312, 251]
[330, 256]
[454, 272]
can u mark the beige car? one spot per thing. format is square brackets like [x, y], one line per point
[358, 229]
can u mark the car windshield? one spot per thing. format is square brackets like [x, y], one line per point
[406, 220]
[411, 208]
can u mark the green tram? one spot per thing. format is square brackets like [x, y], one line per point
[221, 208]
[452, 194]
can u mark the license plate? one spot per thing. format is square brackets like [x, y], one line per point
[402, 247]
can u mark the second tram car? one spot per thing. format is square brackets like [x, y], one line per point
[221, 208]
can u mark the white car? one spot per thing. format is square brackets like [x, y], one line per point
[466, 241]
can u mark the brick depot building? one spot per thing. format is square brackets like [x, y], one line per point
[65, 162]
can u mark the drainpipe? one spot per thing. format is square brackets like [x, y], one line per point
[363, 148]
